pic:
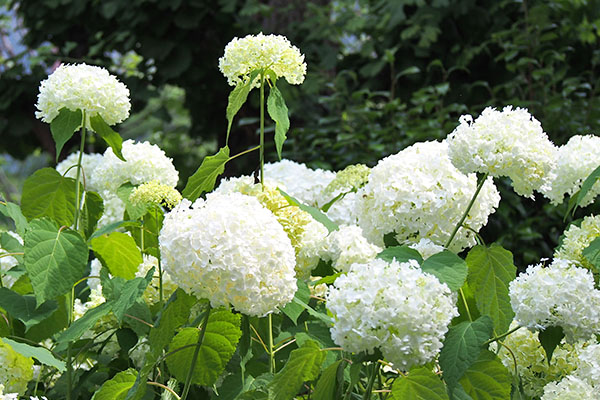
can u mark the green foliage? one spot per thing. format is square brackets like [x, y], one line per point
[84, 323]
[118, 253]
[41, 354]
[205, 177]
[313, 211]
[328, 383]
[448, 268]
[112, 138]
[117, 387]
[419, 384]
[487, 379]
[64, 125]
[278, 111]
[293, 309]
[93, 208]
[550, 338]
[24, 307]
[400, 253]
[592, 253]
[237, 98]
[13, 211]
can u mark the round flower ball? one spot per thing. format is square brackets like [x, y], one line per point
[89, 163]
[229, 249]
[257, 52]
[578, 238]
[83, 87]
[558, 295]
[15, 370]
[418, 193]
[391, 306]
[504, 143]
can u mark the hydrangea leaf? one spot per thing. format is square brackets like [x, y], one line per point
[304, 364]
[24, 307]
[448, 268]
[130, 292]
[41, 354]
[203, 180]
[592, 253]
[237, 98]
[278, 111]
[55, 259]
[117, 387]
[47, 193]
[10, 244]
[63, 126]
[13, 211]
[487, 379]
[119, 253]
[400, 253]
[419, 384]
[93, 208]
[462, 346]
[292, 309]
[112, 138]
[219, 343]
[83, 324]
[550, 338]
[313, 211]
[586, 186]
[51, 325]
[490, 270]
[133, 211]
[327, 384]
[112, 227]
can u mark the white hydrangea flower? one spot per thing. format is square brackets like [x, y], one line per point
[309, 246]
[570, 388]
[574, 162]
[95, 299]
[8, 262]
[418, 193]
[152, 292]
[7, 396]
[83, 87]
[426, 248]
[504, 143]
[578, 238]
[588, 364]
[229, 249]
[558, 295]
[15, 370]
[343, 212]
[89, 163]
[299, 181]
[95, 267]
[394, 307]
[347, 246]
[255, 52]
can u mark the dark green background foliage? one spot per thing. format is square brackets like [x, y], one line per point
[382, 74]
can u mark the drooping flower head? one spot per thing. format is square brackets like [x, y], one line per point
[229, 249]
[83, 87]
[391, 306]
[418, 193]
[256, 52]
[15, 369]
[504, 143]
[578, 238]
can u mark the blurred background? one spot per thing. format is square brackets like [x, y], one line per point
[382, 75]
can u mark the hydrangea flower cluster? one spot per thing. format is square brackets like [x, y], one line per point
[347, 246]
[83, 87]
[15, 370]
[574, 162]
[348, 180]
[588, 364]
[418, 193]
[426, 248]
[578, 238]
[155, 193]
[229, 249]
[394, 307]
[504, 143]
[570, 388]
[256, 52]
[559, 295]
[95, 299]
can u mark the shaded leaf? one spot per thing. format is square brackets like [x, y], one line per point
[325, 388]
[24, 307]
[133, 211]
[550, 338]
[112, 138]
[292, 309]
[131, 291]
[419, 384]
[487, 379]
[203, 180]
[86, 322]
[448, 268]
[13, 211]
[63, 126]
[592, 253]
[236, 100]
[93, 208]
[278, 111]
[400, 253]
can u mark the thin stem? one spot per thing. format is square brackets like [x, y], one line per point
[77, 194]
[188, 379]
[168, 389]
[271, 352]
[458, 226]
[464, 299]
[160, 272]
[495, 339]
[369, 390]
[244, 152]
[262, 131]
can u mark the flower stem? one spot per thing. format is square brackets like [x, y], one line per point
[374, 373]
[188, 379]
[494, 339]
[469, 206]
[271, 352]
[77, 194]
[262, 130]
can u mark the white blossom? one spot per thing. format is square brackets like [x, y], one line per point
[347, 246]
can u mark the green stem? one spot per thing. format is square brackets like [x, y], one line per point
[374, 373]
[262, 129]
[464, 299]
[271, 353]
[494, 339]
[466, 213]
[160, 272]
[243, 152]
[77, 188]
[188, 379]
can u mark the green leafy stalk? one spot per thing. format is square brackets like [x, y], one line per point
[374, 373]
[262, 128]
[271, 353]
[77, 189]
[188, 379]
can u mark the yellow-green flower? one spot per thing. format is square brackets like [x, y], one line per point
[15, 370]
[156, 193]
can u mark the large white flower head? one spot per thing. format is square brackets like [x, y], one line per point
[558, 295]
[578, 238]
[257, 52]
[391, 306]
[570, 388]
[299, 181]
[347, 246]
[229, 249]
[574, 162]
[89, 163]
[83, 87]
[418, 193]
[15, 370]
[504, 143]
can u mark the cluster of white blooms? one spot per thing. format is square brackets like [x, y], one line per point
[578, 238]
[558, 295]
[257, 52]
[152, 292]
[588, 364]
[426, 248]
[299, 181]
[83, 87]
[346, 183]
[229, 249]
[89, 163]
[504, 143]
[391, 306]
[95, 299]
[8, 262]
[15, 370]
[574, 162]
[347, 246]
[570, 388]
[418, 193]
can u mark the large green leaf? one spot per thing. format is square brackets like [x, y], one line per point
[86, 322]
[117, 387]
[462, 346]
[24, 307]
[419, 384]
[93, 208]
[41, 354]
[112, 138]
[400, 253]
[304, 364]
[550, 338]
[130, 292]
[205, 177]
[587, 184]
[134, 211]
[592, 253]
[55, 259]
[237, 98]
[63, 126]
[448, 268]
[47, 193]
[220, 340]
[278, 111]
[491, 270]
[293, 309]
[119, 254]
[313, 211]
[327, 384]
[13, 211]
[487, 379]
